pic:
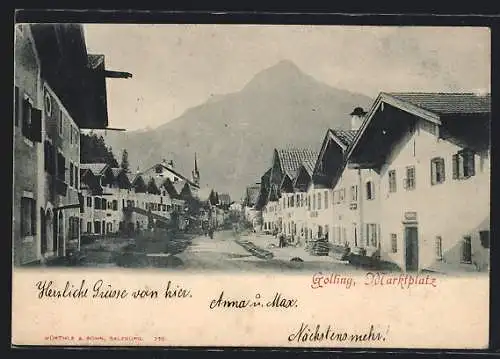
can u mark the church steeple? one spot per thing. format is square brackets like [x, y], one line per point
[196, 173]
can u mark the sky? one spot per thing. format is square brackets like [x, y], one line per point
[176, 67]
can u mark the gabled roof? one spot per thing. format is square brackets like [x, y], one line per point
[96, 168]
[179, 185]
[429, 106]
[290, 159]
[344, 136]
[446, 103]
[171, 170]
[306, 167]
[309, 166]
[116, 171]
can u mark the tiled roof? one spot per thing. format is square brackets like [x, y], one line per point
[95, 168]
[292, 158]
[116, 171]
[182, 177]
[94, 60]
[309, 166]
[446, 103]
[132, 176]
[345, 136]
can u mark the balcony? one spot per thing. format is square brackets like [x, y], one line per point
[353, 205]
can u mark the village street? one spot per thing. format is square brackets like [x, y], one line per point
[227, 251]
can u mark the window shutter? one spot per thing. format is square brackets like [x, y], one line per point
[26, 119]
[442, 169]
[33, 217]
[36, 125]
[470, 163]
[46, 151]
[434, 165]
[455, 165]
[17, 112]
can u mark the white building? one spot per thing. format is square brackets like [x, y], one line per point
[432, 154]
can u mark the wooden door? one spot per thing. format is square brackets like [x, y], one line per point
[411, 240]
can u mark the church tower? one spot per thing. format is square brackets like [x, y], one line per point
[196, 173]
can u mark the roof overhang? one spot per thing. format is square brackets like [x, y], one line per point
[384, 98]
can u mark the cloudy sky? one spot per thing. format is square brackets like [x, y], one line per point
[176, 67]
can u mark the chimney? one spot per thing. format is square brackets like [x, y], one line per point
[170, 164]
[357, 118]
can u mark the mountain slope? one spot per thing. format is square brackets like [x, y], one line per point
[234, 135]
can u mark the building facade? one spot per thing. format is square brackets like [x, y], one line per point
[59, 89]
[432, 154]
[28, 152]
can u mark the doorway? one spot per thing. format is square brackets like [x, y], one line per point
[411, 241]
[44, 231]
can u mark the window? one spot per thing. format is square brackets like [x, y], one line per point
[410, 178]
[392, 181]
[49, 161]
[354, 193]
[463, 164]
[394, 243]
[61, 167]
[466, 250]
[26, 124]
[370, 190]
[371, 235]
[28, 217]
[70, 135]
[89, 227]
[115, 205]
[292, 204]
[97, 203]
[326, 199]
[439, 248]
[97, 227]
[314, 202]
[104, 203]
[61, 122]
[342, 194]
[77, 177]
[74, 226]
[319, 200]
[484, 237]
[437, 170]
[89, 201]
[71, 174]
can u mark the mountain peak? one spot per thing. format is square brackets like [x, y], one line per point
[286, 64]
[283, 73]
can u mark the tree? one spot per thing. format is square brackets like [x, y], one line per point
[93, 149]
[125, 165]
